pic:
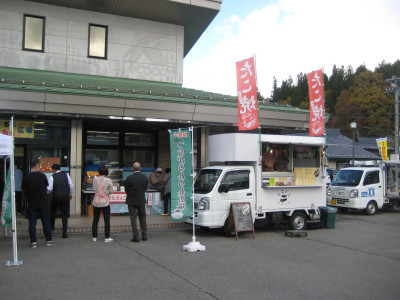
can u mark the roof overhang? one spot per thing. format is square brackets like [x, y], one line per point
[48, 93]
[195, 16]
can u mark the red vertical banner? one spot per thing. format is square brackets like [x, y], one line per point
[247, 94]
[317, 109]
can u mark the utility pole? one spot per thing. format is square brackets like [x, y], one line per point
[395, 84]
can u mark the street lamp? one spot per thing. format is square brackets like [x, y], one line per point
[353, 125]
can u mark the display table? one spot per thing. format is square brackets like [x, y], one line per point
[87, 198]
[117, 203]
[154, 204]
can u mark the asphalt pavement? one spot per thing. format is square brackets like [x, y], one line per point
[359, 259]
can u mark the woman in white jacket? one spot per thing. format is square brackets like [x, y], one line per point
[103, 188]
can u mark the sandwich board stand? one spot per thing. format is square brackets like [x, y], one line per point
[240, 218]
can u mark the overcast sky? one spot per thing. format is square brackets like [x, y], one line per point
[292, 36]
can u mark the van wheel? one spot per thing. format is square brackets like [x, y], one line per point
[372, 208]
[298, 221]
[228, 232]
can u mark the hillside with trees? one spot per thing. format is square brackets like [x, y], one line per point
[349, 96]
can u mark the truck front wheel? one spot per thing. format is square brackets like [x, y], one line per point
[372, 208]
[298, 221]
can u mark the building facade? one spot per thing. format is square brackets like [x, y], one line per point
[101, 82]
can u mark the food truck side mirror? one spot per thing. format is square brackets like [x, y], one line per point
[223, 188]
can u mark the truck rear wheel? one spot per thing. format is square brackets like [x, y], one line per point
[372, 208]
[298, 221]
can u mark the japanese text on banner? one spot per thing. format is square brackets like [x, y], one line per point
[382, 146]
[181, 171]
[317, 110]
[247, 94]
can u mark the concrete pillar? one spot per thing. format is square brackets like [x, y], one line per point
[76, 166]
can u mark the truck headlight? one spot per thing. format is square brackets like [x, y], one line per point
[354, 193]
[204, 203]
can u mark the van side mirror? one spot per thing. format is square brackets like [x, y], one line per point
[223, 188]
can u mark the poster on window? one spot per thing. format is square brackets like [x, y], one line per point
[247, 94]
[317, 110]
[181, 175]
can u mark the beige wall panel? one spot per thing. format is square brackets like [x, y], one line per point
[85, 101]
[10, 39]
[77, 47]
[10, 20]
[21, 105]
[166, 106]
[148, 113]
[22, 96]
[56, 44]
[82, 109]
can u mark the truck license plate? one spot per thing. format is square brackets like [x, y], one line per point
[332, 202]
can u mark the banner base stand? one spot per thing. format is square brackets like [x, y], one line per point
[13, 263]
[194, 246]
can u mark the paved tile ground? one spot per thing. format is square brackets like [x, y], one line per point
[82, 224]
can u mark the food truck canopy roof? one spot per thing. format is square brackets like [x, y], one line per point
[246, 147]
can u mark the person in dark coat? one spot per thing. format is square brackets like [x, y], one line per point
[135, 187]
[61, 185]
[34, 186]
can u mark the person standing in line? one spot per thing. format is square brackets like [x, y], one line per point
[135, 187]
[167, 191]
[18, 175]
[34, 186]
[61, 185]
[103, 188]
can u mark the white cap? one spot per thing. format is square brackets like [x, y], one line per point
[158, 170]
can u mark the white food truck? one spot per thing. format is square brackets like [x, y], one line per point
[366, 188]
[282, 177]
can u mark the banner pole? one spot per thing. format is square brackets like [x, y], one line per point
[192, 174]
[13, 212]
[193, 246]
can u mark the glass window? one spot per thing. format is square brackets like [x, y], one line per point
[139, 139]
[372, 178]
[237, 180]
[98, 157]
[145, 157]
[102, 138]
[49, 130]
[347, 178]
[205, 180]
[306, 156]
[276, 158]
[33, 33]
[98, 41]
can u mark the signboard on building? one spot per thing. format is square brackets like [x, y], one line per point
[22, 129]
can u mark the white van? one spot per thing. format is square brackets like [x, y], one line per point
[365, 188]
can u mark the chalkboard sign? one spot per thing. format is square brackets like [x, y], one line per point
[242, 217]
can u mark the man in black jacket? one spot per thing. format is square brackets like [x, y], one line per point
[34, 186]
[135, 187]
[61, 185]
